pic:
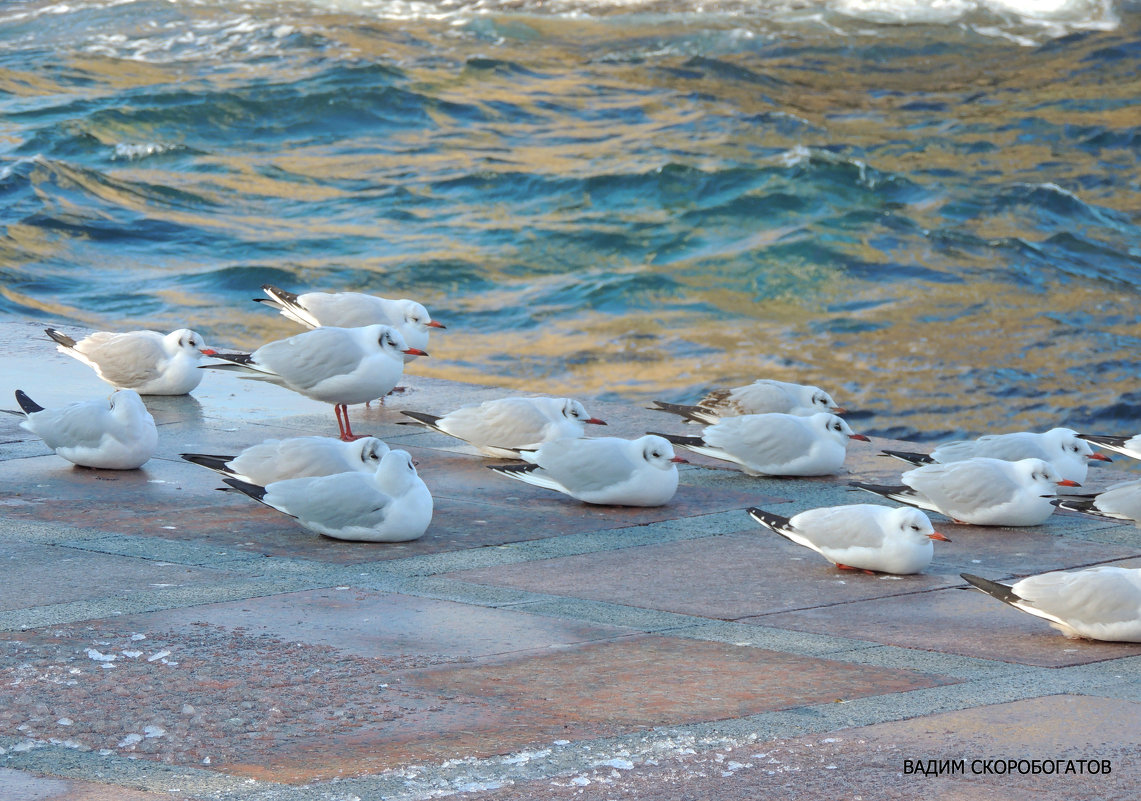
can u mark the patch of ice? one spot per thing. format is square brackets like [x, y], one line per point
[617, 762]
[153, 732]
[158, 656]
[130, 741]
[132, 654]
[65, 722]
[580, 781]
[100, 657]
[137, 637]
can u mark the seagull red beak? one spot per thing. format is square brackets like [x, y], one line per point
[1065, 482]
[679, 460]
[415, 352]
[838, 410]
[937, 536]
[595, 421]
[1099, 457]
[434, 324]
[860, 437]
[208, 352]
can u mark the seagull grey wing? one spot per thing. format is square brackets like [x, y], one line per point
[125, 360]
[331, 502]
[761, 439]
[1094, 596]
[840, 527]
[1013, 447]
[586, 465]
[962, 485]
[348, 309]
[758, 398]
[308, 359]
[1121, 499]
[510, 423]
[297, 457]
[80, 425]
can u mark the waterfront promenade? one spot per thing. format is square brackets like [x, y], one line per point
[162, 640]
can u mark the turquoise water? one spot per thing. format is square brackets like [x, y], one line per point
[929, 209]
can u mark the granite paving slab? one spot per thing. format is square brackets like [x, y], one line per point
[957, 621]
[869, 762]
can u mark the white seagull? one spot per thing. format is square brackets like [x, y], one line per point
[390, 505]
[776, 444]
[1061, 447]
[295, 457]
[353, 310]
[145, 361]
[761, 397]
[1117, 502]
[340, 366]
[117, 434]
[981, 491]
[502, 427]
[1129, 446]
[607, 470]
[862, 536]
[1097, 603]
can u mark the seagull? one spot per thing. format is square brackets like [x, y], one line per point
[981, 491]
[296, 457]
[390, 505]
[503, 427]
[341, 366]
[117, 434]
[1130, 446]
[1061, 447]
[776, 444]
[1117, 502]
[1098, 603]
[605, 470]
[761, 397]
[146, 361]
[863, 536]
[353, 310]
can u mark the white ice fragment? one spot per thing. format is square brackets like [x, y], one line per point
[152, 732]
[206, 760]
[156, 481]
[100, 657]
[171, 528]
[562, 742]
[65, 722]
[132, 654]
[107, 666]
[187, 709]
[830, 740]
[830, 767]
[137, 637]
[130, 740]
[158, 656]
[617, 762]
[580, 781]
[26, 745]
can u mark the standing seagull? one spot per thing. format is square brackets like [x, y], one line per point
[295, 457]
[145, 361]
[391, 505]
[607, 470]
[981, 491]
[1129, 446]
[353, 310]
[761, 397]
[341, 366]
[1098, 603]
[504, 426]
[117, 434]
[861, 535]
[776, 444]
[1060, 447]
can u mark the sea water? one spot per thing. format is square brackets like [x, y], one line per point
[930, 209]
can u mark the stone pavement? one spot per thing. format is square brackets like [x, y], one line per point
[164, 640]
